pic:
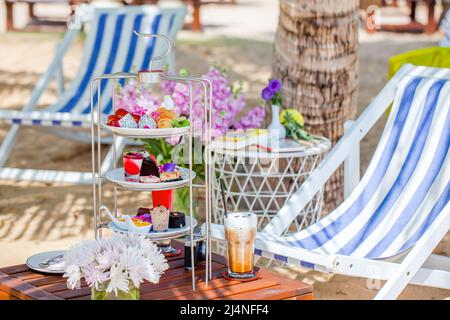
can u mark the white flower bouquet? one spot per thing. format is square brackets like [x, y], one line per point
[115, 267]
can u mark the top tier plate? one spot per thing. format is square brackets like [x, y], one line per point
[147, 133]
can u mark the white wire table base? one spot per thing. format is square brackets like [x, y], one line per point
[263, 184]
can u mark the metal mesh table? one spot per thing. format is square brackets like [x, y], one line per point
[261, 182]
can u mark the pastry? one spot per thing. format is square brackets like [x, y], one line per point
[142, 211]
[177, 220]
[169, 172]
[147, 122]
[128, 121]
[160, 218]
[144, 214]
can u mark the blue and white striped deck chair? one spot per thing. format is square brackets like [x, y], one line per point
[445, 42]
[110, 46]
[394, 217]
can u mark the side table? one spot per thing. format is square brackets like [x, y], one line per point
[261, 182]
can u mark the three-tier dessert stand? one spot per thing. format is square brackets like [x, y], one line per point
[99, 176]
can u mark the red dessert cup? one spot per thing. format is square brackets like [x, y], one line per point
[132, 163]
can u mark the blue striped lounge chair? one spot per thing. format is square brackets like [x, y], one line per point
[110, 46]
[396, 214]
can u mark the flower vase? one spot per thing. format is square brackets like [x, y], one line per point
[277, 130]
[101, 294]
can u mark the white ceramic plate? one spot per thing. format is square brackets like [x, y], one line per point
[33, 262]
[117, 177]
[168, 234]
[147, 133]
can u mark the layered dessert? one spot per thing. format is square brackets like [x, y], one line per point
[169, 172]
[160, 218]
[132, 163]
[149, 170]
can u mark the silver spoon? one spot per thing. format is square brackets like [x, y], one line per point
[47, 262]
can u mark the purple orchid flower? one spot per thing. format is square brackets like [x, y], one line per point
[274, 85]
[147, 217]
[267, 94]
[169, 167]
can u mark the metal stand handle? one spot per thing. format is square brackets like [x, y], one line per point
[149, 35]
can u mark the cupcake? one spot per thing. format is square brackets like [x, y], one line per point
[160, 218]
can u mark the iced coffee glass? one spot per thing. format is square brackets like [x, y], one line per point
[240, 233]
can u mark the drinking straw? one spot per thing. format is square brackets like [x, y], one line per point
[223, 198]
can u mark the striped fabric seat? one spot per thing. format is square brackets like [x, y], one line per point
[405, 187]
[111, 46]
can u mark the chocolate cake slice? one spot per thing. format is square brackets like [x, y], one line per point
[149, 170]
[177, 220]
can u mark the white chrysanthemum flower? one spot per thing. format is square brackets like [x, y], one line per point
[95, 276]
[108, 255]
[115, 263]
[132, 259]
[73, 275]
[117, 279]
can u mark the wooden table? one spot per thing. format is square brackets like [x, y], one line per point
[196, 24]
[412, 26]
[19, 282]
[36, 22]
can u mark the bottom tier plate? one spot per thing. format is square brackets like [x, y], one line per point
[162, 235]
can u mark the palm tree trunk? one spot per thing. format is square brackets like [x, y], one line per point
[316, 59]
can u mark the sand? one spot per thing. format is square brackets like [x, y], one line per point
[37, 217]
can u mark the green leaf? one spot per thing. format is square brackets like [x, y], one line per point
[184, 72]
[180, 122]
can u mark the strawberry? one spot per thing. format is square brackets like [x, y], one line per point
[112, 120]
[120, 113]
[153, 158]
[136, 117]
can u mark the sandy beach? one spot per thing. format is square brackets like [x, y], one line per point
[38, 217]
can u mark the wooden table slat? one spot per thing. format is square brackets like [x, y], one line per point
[220, 292]
[14, 269]
[22, 290]
[278, 292]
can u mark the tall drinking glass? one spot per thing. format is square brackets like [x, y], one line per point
[240, 233]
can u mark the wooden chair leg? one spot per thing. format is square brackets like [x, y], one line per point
[431, 26]
[9, 16]
[31, 10]
[412, 14]
[196, 23]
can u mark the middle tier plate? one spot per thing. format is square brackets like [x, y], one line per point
[162, 235]
[117, 177]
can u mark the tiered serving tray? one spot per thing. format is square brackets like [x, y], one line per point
[120, 135]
